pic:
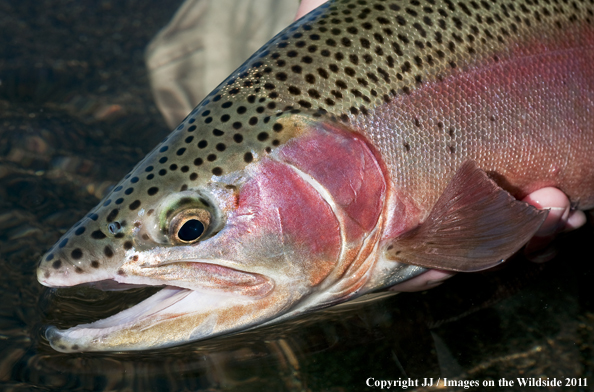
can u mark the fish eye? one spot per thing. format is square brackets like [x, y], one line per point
[191, 230]
[188, 226]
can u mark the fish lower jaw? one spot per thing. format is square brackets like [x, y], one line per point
[170, 317]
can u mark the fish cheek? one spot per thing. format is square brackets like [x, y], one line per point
[290, 222]
[347, 168]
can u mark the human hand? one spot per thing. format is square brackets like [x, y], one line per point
[306, 6]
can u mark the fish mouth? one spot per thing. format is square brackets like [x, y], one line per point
[215, 275]
[175, 314]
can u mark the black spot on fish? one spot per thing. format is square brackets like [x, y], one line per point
[112, 215]
[98, 235]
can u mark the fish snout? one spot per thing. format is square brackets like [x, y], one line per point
[70, 263]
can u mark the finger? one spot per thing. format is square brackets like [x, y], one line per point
[425, 281]
[539, 249]
[576, 220]
[307, 6]
[559, 219]
[558, 205]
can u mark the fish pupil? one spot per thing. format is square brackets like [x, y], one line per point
[191, 230]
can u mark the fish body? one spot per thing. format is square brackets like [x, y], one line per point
[366, 142]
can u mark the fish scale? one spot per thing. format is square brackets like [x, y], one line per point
[426, 82]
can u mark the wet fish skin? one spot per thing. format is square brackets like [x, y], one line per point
[325, 149]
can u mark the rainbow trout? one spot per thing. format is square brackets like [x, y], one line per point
[368, 141]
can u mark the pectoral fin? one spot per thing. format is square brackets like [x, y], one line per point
[474, 225]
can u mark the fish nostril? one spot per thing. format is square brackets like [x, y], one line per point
[114, 227]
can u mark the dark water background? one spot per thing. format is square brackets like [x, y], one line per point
[76, 113]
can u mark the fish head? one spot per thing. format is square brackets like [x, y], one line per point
[239, 233]
[263, 203]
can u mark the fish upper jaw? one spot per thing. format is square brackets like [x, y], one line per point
[146, 269]
[68, 275]
[195, 274]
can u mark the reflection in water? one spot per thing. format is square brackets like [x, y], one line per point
[74, 118]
